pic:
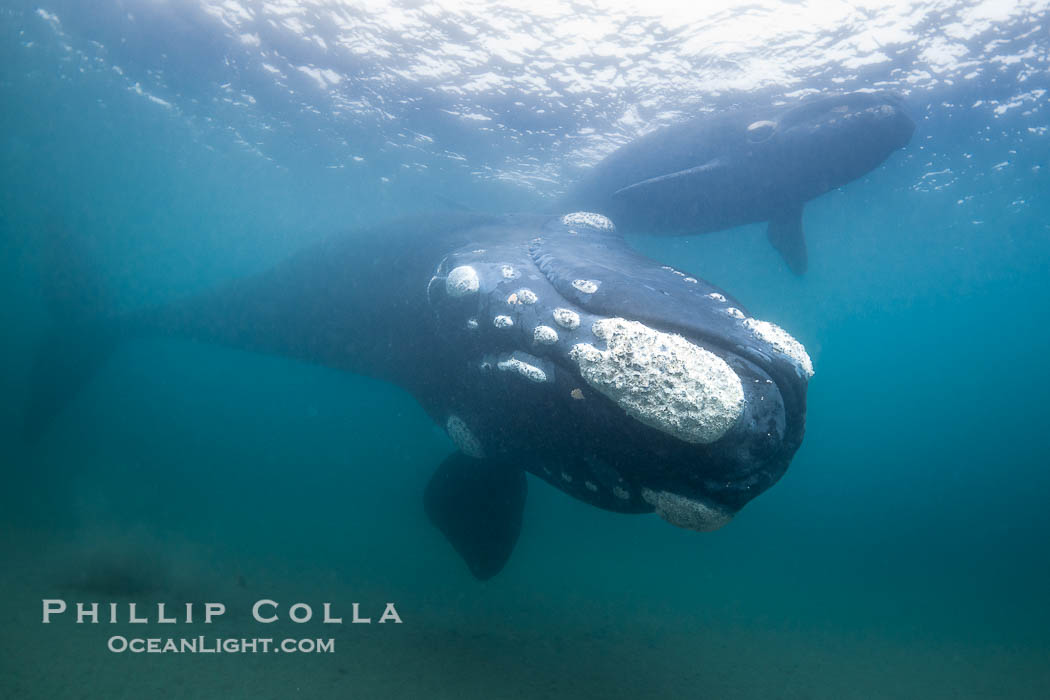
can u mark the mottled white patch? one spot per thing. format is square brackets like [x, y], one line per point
[782, 342]
[690, 280]
[509, 272]
[576, 394]
[734, 312]
[565, 476]
[566, 318]
[685, 512]
[662, 380]
[478, 251]
[523, 296]
[717, 297]
[591, 486]
[472, 324]
[503, 322]
[461, 281]
[586, 286]
[586, 218]
[544, 335]
[621, 492]
[518, 366]
[761, 126]
[465, 440]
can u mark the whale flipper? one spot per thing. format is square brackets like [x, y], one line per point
[691, 179]
[477, 504]
[785, 233]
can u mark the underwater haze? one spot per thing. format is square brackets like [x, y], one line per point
[171, 146]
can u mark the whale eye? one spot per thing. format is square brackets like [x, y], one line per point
[760, 131]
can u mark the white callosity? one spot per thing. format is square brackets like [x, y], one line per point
[461, 281]
[586, 218]
[465, 440]
[525, 369]
[586, 286]
[662, 380]
[735, 312]
[544, 335]
[686, 512]
[503, 321]
[523, 296]
[508, 272]
[566, 318]
[782, 342]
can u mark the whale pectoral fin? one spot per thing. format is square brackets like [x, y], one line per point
[785, 233]
[477, 504]
[693, 178]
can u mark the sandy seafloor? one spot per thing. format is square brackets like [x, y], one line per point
[515, 642]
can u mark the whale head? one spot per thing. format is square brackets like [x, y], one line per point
[830, 141]
[627, 384]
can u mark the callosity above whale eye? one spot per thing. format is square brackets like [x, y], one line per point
[760, 131]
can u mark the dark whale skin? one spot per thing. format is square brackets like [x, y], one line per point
[717, 171]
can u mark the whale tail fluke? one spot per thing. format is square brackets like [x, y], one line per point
[81, 339]
[66, 359]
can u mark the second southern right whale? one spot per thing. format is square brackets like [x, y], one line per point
[718, 171]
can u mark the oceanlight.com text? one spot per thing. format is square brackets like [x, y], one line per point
[218, 645]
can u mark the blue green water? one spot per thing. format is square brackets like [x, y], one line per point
[904, 554]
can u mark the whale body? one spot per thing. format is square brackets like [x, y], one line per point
[717, 171]
[542, 345]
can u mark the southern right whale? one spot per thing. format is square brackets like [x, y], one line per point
[540, 344]
[718, 171]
